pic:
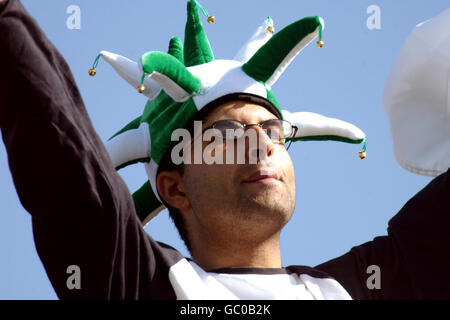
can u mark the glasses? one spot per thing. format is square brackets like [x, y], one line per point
[277, 130]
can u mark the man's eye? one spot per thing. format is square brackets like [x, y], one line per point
[274, 134]
[227, 126]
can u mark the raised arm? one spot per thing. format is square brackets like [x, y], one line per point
[413, 260]
[82, 212]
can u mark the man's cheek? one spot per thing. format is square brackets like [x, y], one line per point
[285, 164]
[283, 160]
[214, 177]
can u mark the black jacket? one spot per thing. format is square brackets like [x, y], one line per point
[83, 214]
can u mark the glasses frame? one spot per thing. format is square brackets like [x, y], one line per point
[245, 126]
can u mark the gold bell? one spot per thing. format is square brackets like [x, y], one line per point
[211, 19]
[92, 72]
[141, 88]
[270, 29]
[319, 43]
[362, 154]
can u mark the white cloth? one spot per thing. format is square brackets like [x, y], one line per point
[416, 98]
[190, 281]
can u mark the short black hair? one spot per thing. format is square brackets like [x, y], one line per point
[166, 163]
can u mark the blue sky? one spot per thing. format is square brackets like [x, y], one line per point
[342, 201]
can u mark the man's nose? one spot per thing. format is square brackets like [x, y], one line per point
[260, 146]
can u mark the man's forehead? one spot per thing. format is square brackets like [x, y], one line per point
[244, 111]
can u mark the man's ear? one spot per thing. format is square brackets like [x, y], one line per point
[171, 189]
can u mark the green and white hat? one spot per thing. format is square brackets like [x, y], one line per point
[180, 83]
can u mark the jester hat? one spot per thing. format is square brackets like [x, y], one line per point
[180, 83]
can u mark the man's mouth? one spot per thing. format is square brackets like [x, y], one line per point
[263, 175]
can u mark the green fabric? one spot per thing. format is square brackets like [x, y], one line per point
[145, 201]
[130, 126]
[271, 98]
[161, 107]
[176, 49]
[203, 10]
[262, 65]
[364, 142]
[197, 49]
[168, 65]
[324, 138]
[173, 117]
[164, 116]
[95, 64]
[320, 32]
[129, 163]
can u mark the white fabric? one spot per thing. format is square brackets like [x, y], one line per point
[416, 98]
[172, 89]
[152, 168]
[192, 282]
[129, 145]
[313, 124]
[222, 77]
[256, 41]
[131, 72]
[292, 54]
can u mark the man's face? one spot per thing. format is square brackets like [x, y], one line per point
[241, 200]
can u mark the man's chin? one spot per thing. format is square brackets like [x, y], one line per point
[268, 204]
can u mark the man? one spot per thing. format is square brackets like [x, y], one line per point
[236, 251]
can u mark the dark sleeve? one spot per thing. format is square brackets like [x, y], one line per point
[414, 258]
[82, 212]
